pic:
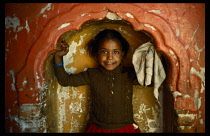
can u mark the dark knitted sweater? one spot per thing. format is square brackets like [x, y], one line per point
[111, 93]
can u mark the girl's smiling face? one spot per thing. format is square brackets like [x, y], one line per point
[110, 54]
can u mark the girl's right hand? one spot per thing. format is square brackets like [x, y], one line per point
[64, 49]
[60, 53]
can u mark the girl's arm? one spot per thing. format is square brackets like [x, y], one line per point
[63, 77]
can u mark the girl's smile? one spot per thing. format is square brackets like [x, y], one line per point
[110, 54]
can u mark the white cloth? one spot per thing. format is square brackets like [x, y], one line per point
[148, 67]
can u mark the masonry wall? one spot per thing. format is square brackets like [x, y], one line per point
[33, 30]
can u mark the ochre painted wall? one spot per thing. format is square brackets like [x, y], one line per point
[31, 35]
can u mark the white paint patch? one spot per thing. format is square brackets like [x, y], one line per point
[25, 82]
[202, 87]
[27, 27]
[171, 52]
[156, 11]
[44, 16]
[181, 127]
[13, 80]
[20, 28]
[33, 124]
[197, 100]
[197, 49]
[113, 16]
[12, 22]
[75, 107]
[85, 69]
[15, 23]
[82, 51]
[68, 59]
[37, 77]
[176, 93]
[201, 121]
[63, 26]
[148, 25]
[187, 46]
[186, 96]
[200, 74]
[129, 15]
[177, 32]
[42, 87]
[61, 108]
[124, 31]
[21, 89]
[48, 7]
[152, 124]
[15, 37]
[71, 70]
[82, 15]
[171, 88]
[191, 116]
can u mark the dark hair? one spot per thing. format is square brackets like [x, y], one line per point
[94, 44]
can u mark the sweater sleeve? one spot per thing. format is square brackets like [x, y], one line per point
[66, 79]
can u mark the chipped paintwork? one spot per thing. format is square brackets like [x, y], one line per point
[146, 114]
[172, 53]
[197, 99]
[187, 46]
[129, 15]
[82, 15]
[47, 7]
[13, 80]
[30, 118]
[113, 16]
[200, 74]
[192, 116]
[177, 32]
[148, 25]
[63, 26]
[43, 86]
[82, 51]
[186, 96]
[156, 11]
[12, 22]
[26, 27]
[176, 93]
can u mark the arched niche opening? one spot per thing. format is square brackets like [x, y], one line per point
[68, 107]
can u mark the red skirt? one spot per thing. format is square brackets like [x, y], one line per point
[127, 129]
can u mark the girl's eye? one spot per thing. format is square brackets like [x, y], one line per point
[116, 52]
[103, 52]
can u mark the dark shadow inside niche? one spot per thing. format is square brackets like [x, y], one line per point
[170, 116]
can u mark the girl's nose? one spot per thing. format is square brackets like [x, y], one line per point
[110, 55]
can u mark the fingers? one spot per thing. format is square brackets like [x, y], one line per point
[66, 49]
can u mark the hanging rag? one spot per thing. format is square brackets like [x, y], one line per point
[148, 67]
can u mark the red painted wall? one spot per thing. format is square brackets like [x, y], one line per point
[31, 31]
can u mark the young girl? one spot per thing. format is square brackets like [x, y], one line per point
[111, 83]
